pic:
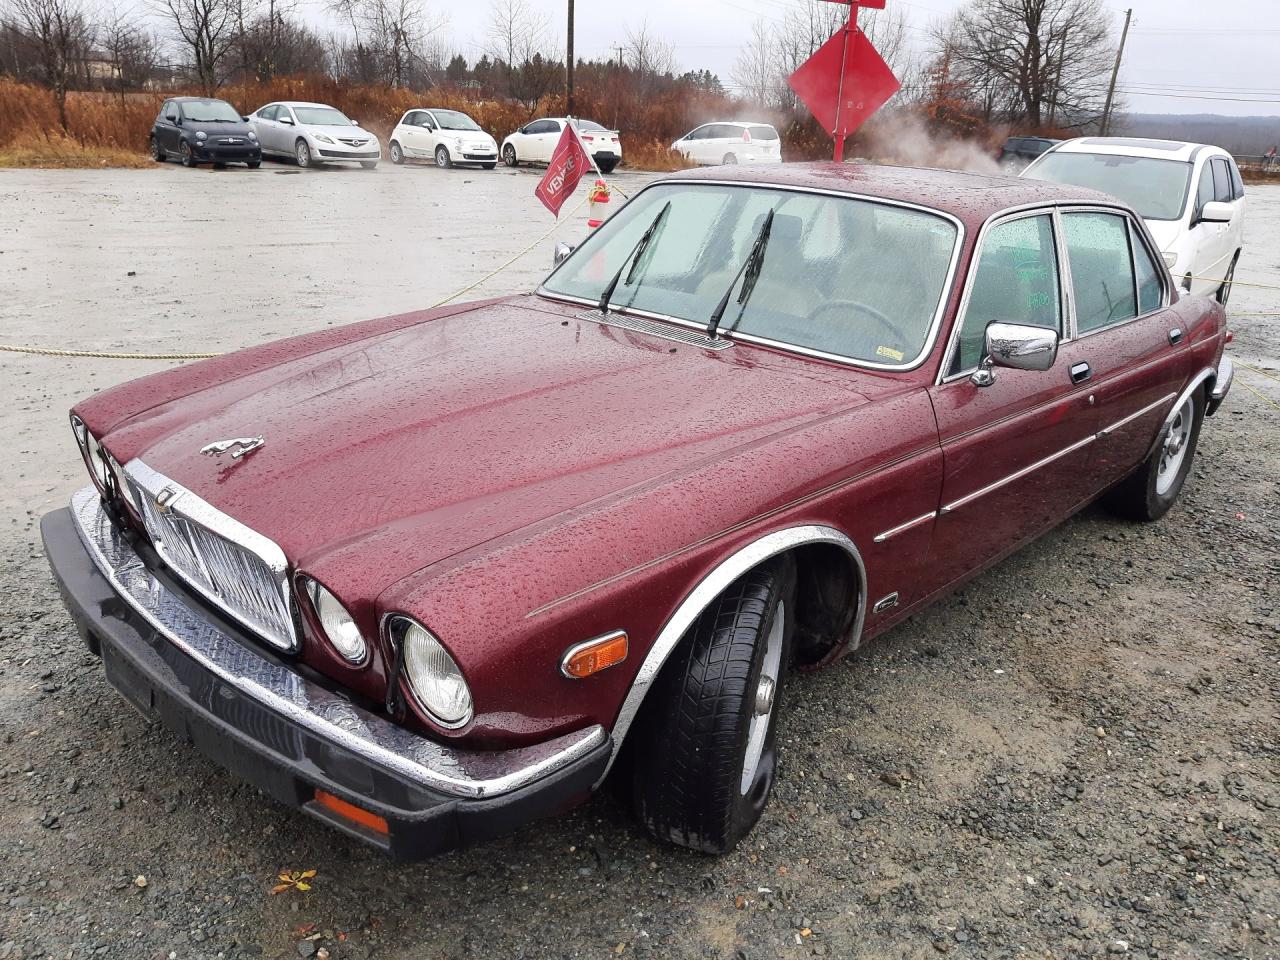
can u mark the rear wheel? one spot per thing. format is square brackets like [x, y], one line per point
[509, 156]
[442, 157]
[1224, 291]
[607, 166]
[397, 153]
[157, 152]
[730, 159]
[704, 760]
[302, 153]
[1149, 492]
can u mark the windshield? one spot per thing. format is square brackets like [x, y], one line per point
[1157, 189]
[850, 278]
[209, 111]
[589, 126]
[452, 120]
[321, 116]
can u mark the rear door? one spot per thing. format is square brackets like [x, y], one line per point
[1015, 452]
[1133, 344]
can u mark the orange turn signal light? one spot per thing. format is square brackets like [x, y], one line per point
[584, 659]
[349, 811]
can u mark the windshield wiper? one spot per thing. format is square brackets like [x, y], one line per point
[751, 267]
[633, 258]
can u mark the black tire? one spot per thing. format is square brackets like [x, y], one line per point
[1224, 291]
[188, 157]
[509, 156]
[443, 160]
[157, 151]
[1139, 496]
[301, 153]
[397, 153]
[254, 164]
[730, 159]
[369, 164]
[607, 166]
[690, 745]
[489, 166]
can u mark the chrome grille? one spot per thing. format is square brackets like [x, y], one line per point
[238, 570]
[665, 330]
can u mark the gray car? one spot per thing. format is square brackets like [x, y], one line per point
[313, 133]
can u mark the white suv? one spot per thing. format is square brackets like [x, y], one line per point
[734, 141]
[1190, 195]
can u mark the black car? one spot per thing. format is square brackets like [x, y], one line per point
[1020, 151]
[203, 130]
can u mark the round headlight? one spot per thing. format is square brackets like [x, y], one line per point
[93, 454]
[434, 677]
[339, 628]
[252, 135]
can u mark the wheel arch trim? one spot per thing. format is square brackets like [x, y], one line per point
[711, 586]
[1194, 384]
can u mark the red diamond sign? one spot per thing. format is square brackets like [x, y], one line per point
[845, 82]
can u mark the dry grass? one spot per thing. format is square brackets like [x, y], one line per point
[653, 155]
[63, 153]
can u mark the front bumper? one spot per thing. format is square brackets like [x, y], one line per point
[1221, 386]
[228, 153]
[331, 154]
[178, 660]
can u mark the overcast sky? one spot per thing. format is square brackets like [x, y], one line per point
[1204, 56]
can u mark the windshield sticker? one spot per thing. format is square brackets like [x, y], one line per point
[892, 354]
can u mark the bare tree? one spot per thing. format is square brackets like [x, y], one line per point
[208, 30]
[392, 40]
[60, 36]
[132, 50]
[275, 44]
[1032, 59]
[650, 58]
[520, 45]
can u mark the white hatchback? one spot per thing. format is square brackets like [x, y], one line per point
[446, 137]
[1190, 195]
[735, 141]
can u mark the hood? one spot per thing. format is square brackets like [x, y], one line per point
[404, 448]
[339, 130]
[218, 128]
[1166, 233]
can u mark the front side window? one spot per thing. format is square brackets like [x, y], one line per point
[855, 279]
[321, 116]
[1157, 189]
[1101, 269]
[1016, 281]
[699, 134]
[1206, 190]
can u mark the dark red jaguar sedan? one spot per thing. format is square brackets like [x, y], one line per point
[430, 576]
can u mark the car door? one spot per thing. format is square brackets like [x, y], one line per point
[1224, 191]
[167, 132]
[413, 135]
[264, 125]
[1132, 344]
[1015, 452]
[1207, 239]
[691, 143]
[428, 133]
[544, 140]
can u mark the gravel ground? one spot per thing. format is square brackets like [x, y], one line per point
[1077, 755]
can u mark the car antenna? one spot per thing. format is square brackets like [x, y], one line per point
[633, 258]
[751, 267]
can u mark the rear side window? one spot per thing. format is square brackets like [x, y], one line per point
[1101, 269]
[1150, 293]
[1016, 282]
[1222, 190]
[762, 132]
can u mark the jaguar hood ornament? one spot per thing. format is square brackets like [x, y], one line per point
[239, 447]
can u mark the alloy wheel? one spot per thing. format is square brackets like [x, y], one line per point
[762, 703]
[1174, 447]
[302, 153]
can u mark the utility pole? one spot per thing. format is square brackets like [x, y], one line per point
[1115, 73]
[569, 63]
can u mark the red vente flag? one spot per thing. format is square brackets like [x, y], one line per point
[569, 164]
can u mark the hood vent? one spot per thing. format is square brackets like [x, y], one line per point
[657, 329]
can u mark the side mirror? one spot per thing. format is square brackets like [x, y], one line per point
[562, 253]
[245, 119]
[286, 120]
[355, 123]
[177, 121]
[1215, 211]
[1016, 346]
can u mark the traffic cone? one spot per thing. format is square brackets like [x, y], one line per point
[596, 201]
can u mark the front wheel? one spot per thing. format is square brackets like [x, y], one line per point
[509, 156]
[1151, 490]
[704, 761]
[1224, 291]
[369, 164]
[442, 157]
[488, 166]
[254, 164]
[397, 153]
[188, 157]
[302, 153]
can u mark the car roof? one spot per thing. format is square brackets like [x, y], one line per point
[739, 123]
[197, 100]
[970, 196]
[1137, 147]
[301, 103]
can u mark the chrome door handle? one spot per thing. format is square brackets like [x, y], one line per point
[1080, 372]
[1175, 336]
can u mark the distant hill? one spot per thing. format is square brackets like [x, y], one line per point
[1242, 136]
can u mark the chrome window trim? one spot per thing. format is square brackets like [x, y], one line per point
[1021, 212]
[935, 325]
[710, 587]
[1162, 272]
[152, 483]
[454, 771]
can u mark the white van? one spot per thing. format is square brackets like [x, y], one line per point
[732, 141]
[1190, 195]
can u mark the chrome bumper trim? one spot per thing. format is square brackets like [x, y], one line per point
[458, 773]
[1221, 385]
